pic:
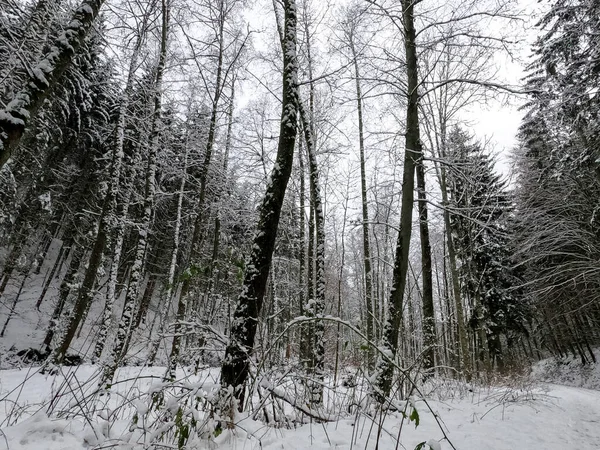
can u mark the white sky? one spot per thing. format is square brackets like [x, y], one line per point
[500, 122]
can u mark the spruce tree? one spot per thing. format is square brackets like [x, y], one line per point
[480, 208]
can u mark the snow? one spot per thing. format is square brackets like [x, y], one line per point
[87, 9]
[549, 417]
[568, 371]
[39, 431]
[15, 121]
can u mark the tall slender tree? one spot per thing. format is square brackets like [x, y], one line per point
[25, 104]
[236, 364]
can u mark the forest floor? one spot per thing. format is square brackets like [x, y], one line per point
[53, 412]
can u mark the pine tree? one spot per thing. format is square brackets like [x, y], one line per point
[28, 100]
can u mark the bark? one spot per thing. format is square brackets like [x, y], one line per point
[68, 282]
[309, 294]
[64, 250]
[124, 330]
[208, 150]
[413, 152]
[49, 235]
[117, 222]
[340, 278]
[112, 283]
[429, 335]
[365, 212]
[142, 311]
[317, 303]
[85, 293]
[463, 346]
[105, 225]
[234, 371]
[303, 352]
[43, 77]
[182, 304]
[25, 273]
[13, 257]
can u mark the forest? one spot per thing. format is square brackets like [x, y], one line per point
[296, 200]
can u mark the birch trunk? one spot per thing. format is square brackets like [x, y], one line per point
[302, 294]
[124, 332]
[117, 222]
[182, 305]
[316, 305]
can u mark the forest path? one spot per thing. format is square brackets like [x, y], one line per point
[581, 412]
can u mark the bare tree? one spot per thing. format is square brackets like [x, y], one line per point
[124, 332]
[236, 364]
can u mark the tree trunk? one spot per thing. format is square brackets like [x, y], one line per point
[142, 311]
[65, 288]
[339, 290]
[234, 371]
[117, 222]
[65, 248]
[456, 291]
[85, 293]
[316, 304]
[124, 330]
[413, 152]
[365, 212]
[182, 304]
[197, 233]
[302, 352]
[429, 335]
[15, 117]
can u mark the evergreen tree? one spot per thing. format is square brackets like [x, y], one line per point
[480, 209]
[558, 183]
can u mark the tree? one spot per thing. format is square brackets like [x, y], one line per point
[25, 104]
[558, 183]
[116, 219]
[352, 25]
[412, 154]
[480, 211]
[124, 333]
[236, 364]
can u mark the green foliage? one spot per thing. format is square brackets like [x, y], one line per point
[422, 445]
[191, 272]
[183, 428]
[414, 417]
[481, 223]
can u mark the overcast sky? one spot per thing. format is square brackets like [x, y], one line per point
[500, 122]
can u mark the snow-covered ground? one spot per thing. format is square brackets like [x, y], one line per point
[549, 417]
[569, 371]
